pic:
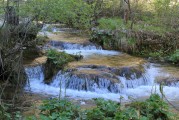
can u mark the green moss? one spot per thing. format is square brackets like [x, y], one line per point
[56, 61]
[61, 58]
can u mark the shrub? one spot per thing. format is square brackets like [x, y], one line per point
[154, 108]
[106, 38]
[174, 57]
[107, 107]
[110, 23]
[95, 114]
[41, 40]
[4, 115]
[58, 109]
[59, 58]
[126, 114]
[71, 12]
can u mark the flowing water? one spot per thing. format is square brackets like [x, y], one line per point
[94, 75]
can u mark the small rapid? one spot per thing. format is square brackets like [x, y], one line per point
[76, 49]
[72, 87]
[104, 84]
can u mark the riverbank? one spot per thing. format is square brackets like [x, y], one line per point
[100, 66]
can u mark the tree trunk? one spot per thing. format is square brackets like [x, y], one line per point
[11, 17]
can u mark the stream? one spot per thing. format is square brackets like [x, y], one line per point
[102, 73]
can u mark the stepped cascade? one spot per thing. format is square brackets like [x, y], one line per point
[101, 73]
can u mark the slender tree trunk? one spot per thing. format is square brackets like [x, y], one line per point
[11, 16]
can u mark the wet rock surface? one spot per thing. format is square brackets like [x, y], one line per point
[103, 73]
[170, 76]
[96, 71]
[168, 81]
[109, 67]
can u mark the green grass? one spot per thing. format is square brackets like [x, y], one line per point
[111, 23]
[150, 28]
[118, 23]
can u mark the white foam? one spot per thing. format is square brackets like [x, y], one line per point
[142, 91]
[142, 87]
[36, 84]
[86, 53]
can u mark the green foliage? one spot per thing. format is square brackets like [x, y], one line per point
[156, 54]
[107, 107]
[71, 12]
[41, 40]
[105, 38]
[131, 41]
[58, 109]
[126, 114]
[174, 57]
[30, 118]
[118, 23]
[111, 23]
[154, 108]
[59, 58]
[105, 110]
[4, 115]
[18, 115]
[95, 114]
[152, 54]
[151, 28]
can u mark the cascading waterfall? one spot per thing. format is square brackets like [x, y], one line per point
[75, 87]
[76, 83]
[36, 85]
[147, 78]
[71, 46]
[82, 49]
[175, 84]
[35, 73]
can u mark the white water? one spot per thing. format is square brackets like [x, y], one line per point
[79, 88]
[141, 87]
[79, 49]
[48, 29]
[37, 85]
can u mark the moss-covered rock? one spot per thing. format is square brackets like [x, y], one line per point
[56, 61]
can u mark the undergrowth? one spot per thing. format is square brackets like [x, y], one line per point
[154, 108]
[174, 57]
[118, 23]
